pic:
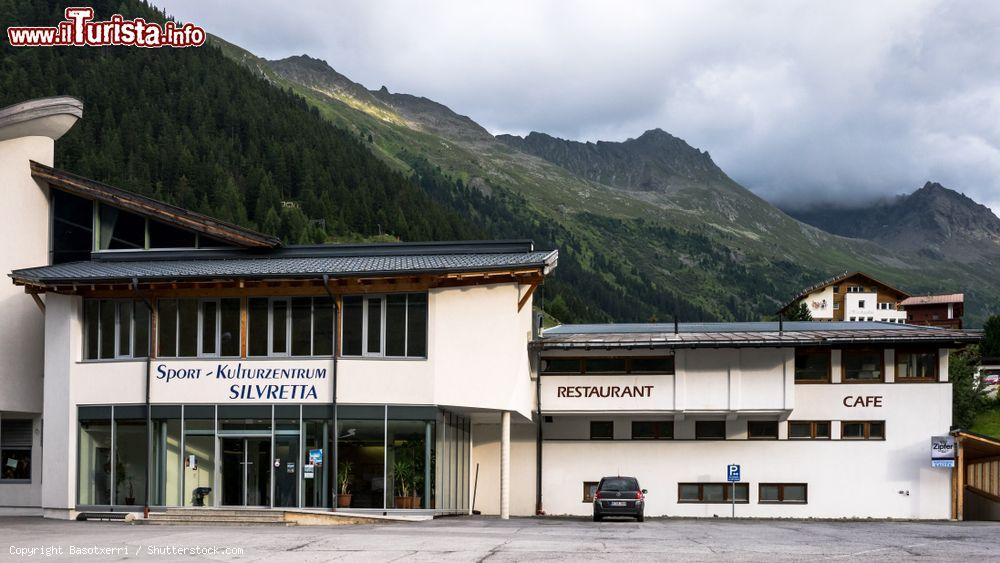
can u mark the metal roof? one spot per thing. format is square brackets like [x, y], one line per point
[933, 299]
[294, 262]
[749, 334]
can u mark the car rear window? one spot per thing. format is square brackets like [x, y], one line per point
[619, 484]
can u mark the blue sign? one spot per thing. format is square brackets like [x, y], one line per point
[733, 473]
[316, 457]
[942, 463]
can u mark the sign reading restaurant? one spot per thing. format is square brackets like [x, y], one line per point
[239, 381]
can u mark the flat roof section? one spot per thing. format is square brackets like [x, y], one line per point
[744, 334]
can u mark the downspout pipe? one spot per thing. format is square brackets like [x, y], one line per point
[149, 415]
[333, 399]
[539, 510]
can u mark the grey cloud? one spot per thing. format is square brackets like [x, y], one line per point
[800, 101]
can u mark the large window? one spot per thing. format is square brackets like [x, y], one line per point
[812, 365]
[710, 430]
[782, 493]
[862, 364]
[15, 449]
[916, 365]
[809, 430]
[290, 326]
[650, 365]
[862, 430]
[652, 429]
[712, 493]
[115, 328]
[72, 227]
[393, 325]
[762, 429]
[199, 328]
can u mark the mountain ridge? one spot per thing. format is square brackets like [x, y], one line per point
[932, 220]
[740, 255]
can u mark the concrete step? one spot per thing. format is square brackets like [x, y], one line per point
[151, 522]
[216, 517]
[221, 512]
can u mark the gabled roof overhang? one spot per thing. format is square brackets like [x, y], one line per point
[152, 208]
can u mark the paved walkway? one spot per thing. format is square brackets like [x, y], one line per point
[519, 539]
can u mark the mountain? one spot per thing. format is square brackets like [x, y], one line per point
[225, 132]
[933, 220]
[648, 228]
[656, 167]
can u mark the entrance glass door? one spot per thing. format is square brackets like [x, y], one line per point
[286, 477]
[246, 471]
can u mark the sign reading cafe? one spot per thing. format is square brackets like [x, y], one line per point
[240, 381]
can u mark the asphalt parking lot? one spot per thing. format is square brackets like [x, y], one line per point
[519, 539]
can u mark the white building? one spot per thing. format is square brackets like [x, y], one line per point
[852, 297]
[168, 359]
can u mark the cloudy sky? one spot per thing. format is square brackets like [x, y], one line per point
[799, 101]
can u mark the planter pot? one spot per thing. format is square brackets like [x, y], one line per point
[407, 502]
[344, 501]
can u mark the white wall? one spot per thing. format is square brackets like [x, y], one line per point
[24, 234]
[820, 304]
[846, 478]
[486, 453]
[704, 380]
[477, 356]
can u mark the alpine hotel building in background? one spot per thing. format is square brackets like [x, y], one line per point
[153, 356]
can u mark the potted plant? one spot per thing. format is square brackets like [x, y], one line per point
[344, 484]
[403, 471]
[130, 499]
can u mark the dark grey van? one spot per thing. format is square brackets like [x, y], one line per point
[619, 496]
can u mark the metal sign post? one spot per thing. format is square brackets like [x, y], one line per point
[733, 476]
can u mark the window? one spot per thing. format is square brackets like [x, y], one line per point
[15, 449]
[712, 493]
[861, 304]
[762, 429]
[664, 365]
[115, 329]
[710, 430]
[602, 430]
[855, 289]
[589, 488]
[916, 365]
[862, 430]
[72, 227]
[606, 365]
[836, 305]
[652, 429]
[205, 328]
[862, 364]
[809, 430]
[120, 229]
[782, 493]
[561, 365]
[392, 325]
[289, 326]
[812, 365]
[836, 289]
[652, 365]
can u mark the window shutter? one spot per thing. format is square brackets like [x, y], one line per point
[15, 433]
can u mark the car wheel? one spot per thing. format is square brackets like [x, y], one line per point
[598, 517]
[640, 518]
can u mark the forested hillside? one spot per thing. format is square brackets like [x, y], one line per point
[190, 127]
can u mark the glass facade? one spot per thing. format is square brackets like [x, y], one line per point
[359, 457]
